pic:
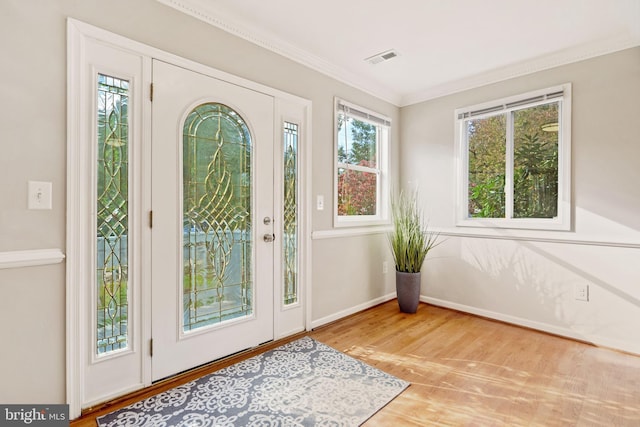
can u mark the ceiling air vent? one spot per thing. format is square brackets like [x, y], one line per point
[381, 57]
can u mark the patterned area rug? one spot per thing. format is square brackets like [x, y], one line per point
[303, 383]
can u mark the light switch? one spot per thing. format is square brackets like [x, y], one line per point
[320, 202]
[39, 195]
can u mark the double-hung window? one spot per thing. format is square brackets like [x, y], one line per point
[361, 172]
[514, 161]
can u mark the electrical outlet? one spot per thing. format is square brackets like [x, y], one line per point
[582, 292]
[385, 267]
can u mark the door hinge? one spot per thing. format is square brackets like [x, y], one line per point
[151, 347]
[150, 219]
[151, 93]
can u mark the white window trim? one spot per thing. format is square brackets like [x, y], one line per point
[500, 106]
[382, 202]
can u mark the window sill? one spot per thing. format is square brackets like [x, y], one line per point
[561, 237]
[350, 232]
[552, 224]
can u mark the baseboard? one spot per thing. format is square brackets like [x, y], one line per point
[540, 326]
[352, 310]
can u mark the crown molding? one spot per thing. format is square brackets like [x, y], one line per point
[545, 62]
[202, 10]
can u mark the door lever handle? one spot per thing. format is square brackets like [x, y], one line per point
[269, 237]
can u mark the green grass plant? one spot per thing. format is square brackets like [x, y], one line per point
[410, 239]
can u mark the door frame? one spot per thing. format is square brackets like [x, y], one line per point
[80, 38]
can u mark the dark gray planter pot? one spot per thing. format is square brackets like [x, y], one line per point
[408, 290]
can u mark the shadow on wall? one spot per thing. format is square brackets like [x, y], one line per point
[536, 281]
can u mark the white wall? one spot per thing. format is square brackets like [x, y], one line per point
[532, 281]
[33, 123]
[352, 281]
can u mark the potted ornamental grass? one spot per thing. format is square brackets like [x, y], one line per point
[410, 242]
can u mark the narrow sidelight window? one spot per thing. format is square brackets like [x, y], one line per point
[112, 209]
[290, 220]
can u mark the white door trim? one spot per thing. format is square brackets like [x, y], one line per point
[79, 36]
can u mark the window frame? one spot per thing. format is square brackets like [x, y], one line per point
[383, 137]
[560, 94]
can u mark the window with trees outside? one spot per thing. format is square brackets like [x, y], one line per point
[514, 156]
[361, 181]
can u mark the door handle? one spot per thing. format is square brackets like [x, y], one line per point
[269, 237]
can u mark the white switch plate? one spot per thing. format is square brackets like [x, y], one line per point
[320, 202]
[39, 196]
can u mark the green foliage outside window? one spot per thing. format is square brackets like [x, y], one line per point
[535, 163]
[357, 189]
[487, 151]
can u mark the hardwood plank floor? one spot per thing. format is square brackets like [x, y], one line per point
[470, 371]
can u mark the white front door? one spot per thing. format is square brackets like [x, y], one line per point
[212, 202]
[208, 157]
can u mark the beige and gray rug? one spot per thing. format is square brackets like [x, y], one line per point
[303, 383]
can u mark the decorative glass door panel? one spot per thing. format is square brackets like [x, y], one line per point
[217, 237]
[112, 302]
[290, 209]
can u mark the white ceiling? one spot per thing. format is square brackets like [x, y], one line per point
[444, 46]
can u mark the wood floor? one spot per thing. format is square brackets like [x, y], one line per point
[470, 371]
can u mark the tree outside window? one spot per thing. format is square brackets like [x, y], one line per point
[516, 161]
[535, 164]
[361, 142]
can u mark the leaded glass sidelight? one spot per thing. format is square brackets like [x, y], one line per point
[290, 220]
[217, 245]
[112, 229]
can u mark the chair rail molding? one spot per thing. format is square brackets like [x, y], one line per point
[30, 258]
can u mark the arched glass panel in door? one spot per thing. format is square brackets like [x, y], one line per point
[217, 246]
